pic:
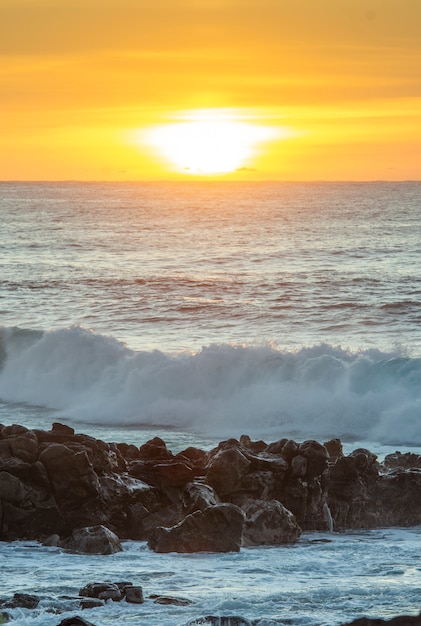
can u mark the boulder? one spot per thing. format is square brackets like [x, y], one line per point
[317, 457]
[162, 474]
[226, 469]
[166, 600]
[93, 540]
[216, 529]
[75, 621]
[269, 523]
[22, 601]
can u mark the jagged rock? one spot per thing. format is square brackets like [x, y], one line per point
[269, 523]
[253, 446]
[334, 448]
[409, 460]
[71, 474]
[53, 482]
[155, 449]
[197, 497]
[226, 468]
[93, 540]
[216, 529]
[22, 601]
[317, 457]
[162, 474]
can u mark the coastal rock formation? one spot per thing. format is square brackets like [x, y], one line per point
[217, 528]
[92, 540]
[56, 483]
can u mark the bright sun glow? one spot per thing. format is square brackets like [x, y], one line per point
[208, 143]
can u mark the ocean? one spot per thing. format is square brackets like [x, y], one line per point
[200, 311]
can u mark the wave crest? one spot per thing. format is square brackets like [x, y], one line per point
[222, 390]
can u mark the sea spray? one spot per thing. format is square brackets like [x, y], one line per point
[322, 391]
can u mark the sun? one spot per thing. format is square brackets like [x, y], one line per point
[207, 143]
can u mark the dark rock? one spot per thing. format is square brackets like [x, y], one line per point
[317, 457]
[197, 497]
[71, 474]
[226, 469]
[154, 450]
[134, 594]
[299, 466]
[253, 446]
[269, 523]
[114, 591]
[13, 430]
[102, 591]
[75, 621]
[93, 540]
[404, 461]
[90, 603]
[62, 428]
[22, 601]
[24, 446]
[216, 529]
[334, 448]
[276, 447]
[170, 600]
[164, 475]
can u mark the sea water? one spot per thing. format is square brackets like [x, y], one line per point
[200, 311]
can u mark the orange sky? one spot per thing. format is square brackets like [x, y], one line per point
[334, 84]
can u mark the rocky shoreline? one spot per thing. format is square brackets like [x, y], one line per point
[55, 483]
[85, 495]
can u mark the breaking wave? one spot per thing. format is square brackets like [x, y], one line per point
[223, 390]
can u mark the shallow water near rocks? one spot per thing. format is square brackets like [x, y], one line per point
[327, 578]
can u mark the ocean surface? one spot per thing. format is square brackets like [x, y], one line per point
[200, 311]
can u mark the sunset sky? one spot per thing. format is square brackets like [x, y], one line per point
[232, 89]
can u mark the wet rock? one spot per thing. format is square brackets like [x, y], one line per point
[92, 540]
[170, 600]
[226, 468]
[75, 621]
[22, 601]
[154, 450]
[269, 523]
[164, 475]
[216, 529]
[334, 448]
[408, 460]
[114, 591]
[102, 591]
[197, 497]
[134, 594]
[317, 457]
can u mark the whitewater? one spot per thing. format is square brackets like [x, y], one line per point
[202, 311]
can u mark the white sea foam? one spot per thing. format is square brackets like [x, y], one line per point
[223, 390]
[324, 579]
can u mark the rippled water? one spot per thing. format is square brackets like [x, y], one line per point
[324, 579]
[215, 310]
